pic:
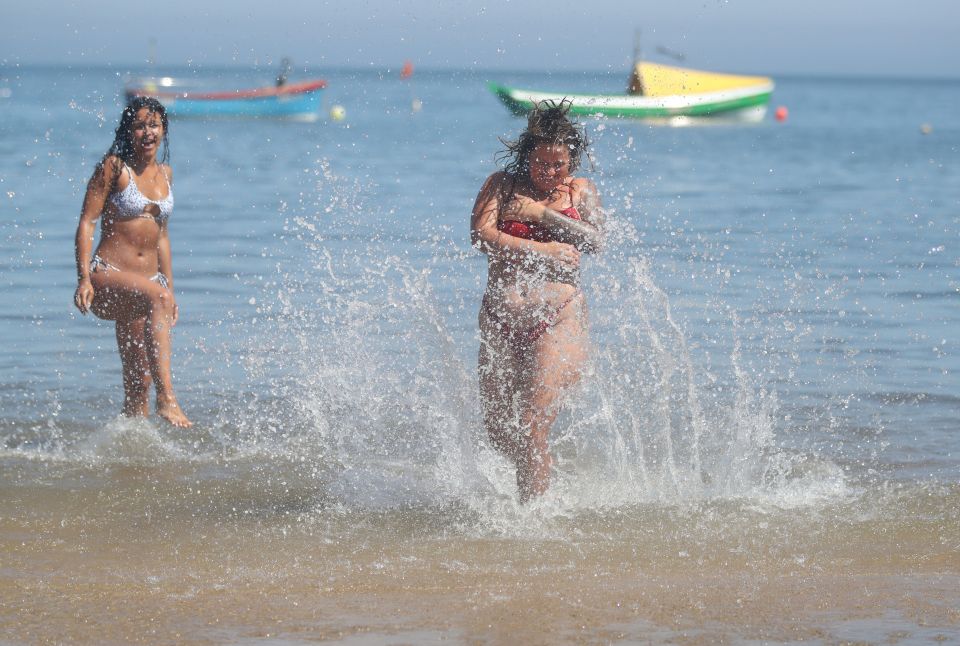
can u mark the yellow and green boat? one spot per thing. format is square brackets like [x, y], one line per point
[675, 95]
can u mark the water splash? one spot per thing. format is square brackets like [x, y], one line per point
[370, 387]
[130, 441]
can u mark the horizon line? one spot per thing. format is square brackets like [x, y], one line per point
[380, 68]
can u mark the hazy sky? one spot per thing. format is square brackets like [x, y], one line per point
[838, 37]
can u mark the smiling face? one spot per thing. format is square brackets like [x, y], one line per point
[549, 166]
[146, 133]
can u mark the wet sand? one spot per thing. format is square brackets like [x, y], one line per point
[157, 562]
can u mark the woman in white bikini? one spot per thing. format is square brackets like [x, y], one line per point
[533, 219]
[129, 279]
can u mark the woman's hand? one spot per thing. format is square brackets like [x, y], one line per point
[83, 297]
[176, 310]
[524, 209]
[565, 255]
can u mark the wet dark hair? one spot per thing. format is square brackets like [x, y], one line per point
[549, 124]
[122, 147]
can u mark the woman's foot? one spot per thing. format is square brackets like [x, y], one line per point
[170, 411]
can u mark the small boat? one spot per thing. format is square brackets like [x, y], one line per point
[298, 101]
[673, 95]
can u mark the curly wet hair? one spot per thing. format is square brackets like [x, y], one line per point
[548, 123]
[121, 151]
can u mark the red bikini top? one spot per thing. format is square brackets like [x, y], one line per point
[532, 230]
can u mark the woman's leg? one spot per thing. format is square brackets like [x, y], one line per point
[136, 367]
[500, 383]
[123, 296]
[558, 358]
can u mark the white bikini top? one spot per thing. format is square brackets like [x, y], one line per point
[130, 202]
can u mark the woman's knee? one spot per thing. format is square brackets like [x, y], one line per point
[161, 301]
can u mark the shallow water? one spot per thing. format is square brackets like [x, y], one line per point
[764, 449]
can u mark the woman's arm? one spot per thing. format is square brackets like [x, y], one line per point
[586, 234]
[165, 266]
[485, 236]
[164, 258]
[98, 188]
[164, 255]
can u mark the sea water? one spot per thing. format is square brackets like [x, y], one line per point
[764, 444]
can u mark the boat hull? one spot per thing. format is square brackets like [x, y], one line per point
[742, 104]
[301, 101]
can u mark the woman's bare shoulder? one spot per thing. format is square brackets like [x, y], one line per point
[110, 165]
[492, 187]
[498, 179]
[106, 174]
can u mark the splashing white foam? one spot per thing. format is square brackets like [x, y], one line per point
[381, 396]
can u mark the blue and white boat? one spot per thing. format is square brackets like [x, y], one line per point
[298, 101]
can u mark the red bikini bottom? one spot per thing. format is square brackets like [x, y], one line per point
[535, 331]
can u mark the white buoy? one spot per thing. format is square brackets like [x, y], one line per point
[417, 105]
[926, 128]
[337, 113]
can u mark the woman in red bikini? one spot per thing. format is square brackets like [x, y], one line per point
[533, 219]
[129, 278]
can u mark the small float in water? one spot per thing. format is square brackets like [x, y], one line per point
[665, 93]
[298, 101]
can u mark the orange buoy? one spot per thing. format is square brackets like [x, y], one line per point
[407, 70]
[780, 114]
